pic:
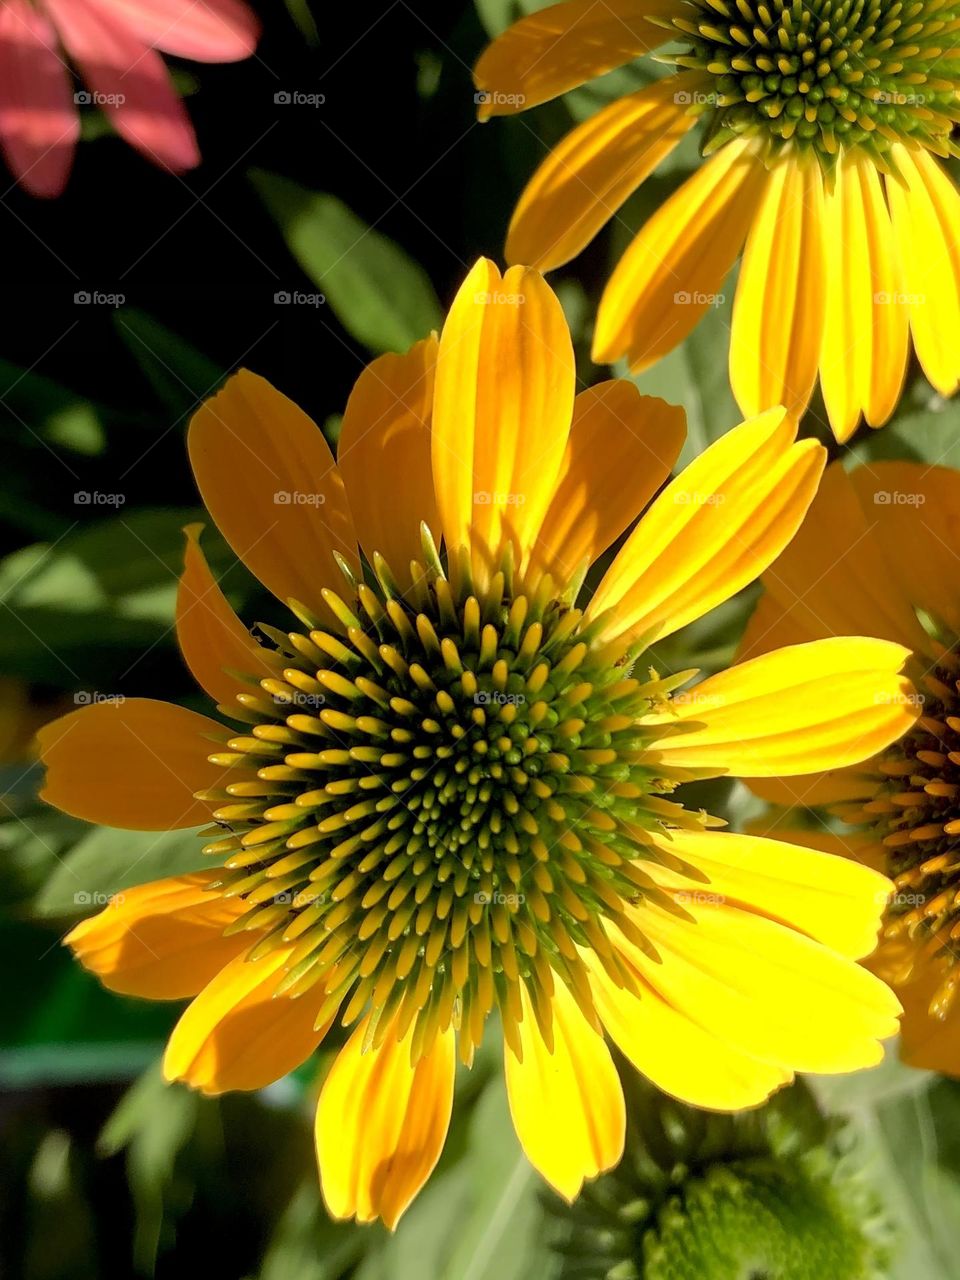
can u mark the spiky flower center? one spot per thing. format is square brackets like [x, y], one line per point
[828, 73]
[916, 814]
[440, 802]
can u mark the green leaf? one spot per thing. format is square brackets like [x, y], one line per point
[153, 1122]
[102, 586]
[40, 412]
[303, 20]
[180, 376]
[307, 1245]
[107, 861]
[380, 295]
[930, 434]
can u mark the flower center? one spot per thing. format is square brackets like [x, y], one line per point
[916, 814]
[828, 73]
[443, 802]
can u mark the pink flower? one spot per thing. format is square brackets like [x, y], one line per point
[114, 44]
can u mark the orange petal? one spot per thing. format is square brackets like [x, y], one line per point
[384, 455]
[676, 266]
[563, 46]
[567, 1104]
[622, 447]
[163, 940]
[135, 763]
[270, 482]
[212, 638]
[502, 411]
[238, 1034]
[381, 1125]
[586, 177]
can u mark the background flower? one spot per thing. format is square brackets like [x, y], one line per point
[116, 48]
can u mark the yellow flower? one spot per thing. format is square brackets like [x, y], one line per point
[449, 795]
[899, 578]
[823, 121]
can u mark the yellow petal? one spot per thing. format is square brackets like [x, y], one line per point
[213, 640]
[914, 513]
[679, 1056]
[863, 356]
[160, 941]
[712, 530]
[586, 177]
[832, 899]
[134, 764]
[567, 1105]
[381, 1125]
[779, 305]
[805, 708]
[236, 1034]
[925, 207]
[268, 479]
[846, 357]
[834, 577]
[891, 328]
[622, 447]
[502, 411]
[563, 46]
[765, 989]
[384, 455]
[675, 268]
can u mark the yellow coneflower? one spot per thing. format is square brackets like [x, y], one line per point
[823, 124]
[450, 795]
[899, 578]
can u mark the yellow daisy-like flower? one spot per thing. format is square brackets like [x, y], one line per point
[900, 579]
[823, 124]
[449, 795]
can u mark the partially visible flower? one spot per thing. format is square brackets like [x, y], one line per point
[778, 1192]
[879, 552]
[116, 46]
[825, 126]
[450, 794]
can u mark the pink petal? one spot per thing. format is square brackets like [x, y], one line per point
[130, 78]
[205, 30]
[39, 123]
